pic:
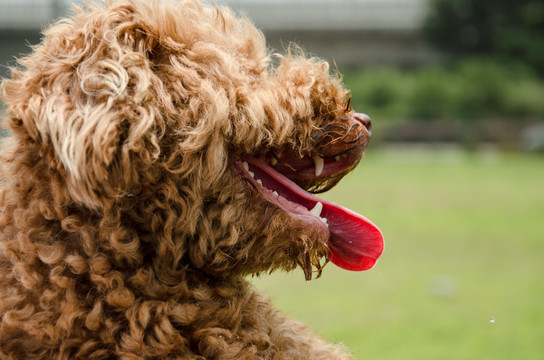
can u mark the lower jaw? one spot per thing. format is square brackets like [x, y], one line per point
[282, 192]
[352, 241]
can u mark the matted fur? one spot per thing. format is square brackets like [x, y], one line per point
[124, 231]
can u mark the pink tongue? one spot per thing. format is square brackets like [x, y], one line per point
[355, 242]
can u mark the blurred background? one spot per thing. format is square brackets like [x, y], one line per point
[454, 175]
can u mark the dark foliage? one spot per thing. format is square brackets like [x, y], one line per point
[505, 29]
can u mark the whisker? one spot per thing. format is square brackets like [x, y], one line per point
[250, 183]
[355, 141]
[347, 151]
[332, 130]
[271, 215]
[352, 127]
[348, 104]
[307, 266]
[281, 161]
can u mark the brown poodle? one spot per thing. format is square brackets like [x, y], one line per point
[156, 159]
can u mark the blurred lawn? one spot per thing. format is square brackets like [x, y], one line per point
[462, 276]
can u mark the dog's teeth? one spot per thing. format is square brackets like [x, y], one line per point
[275, 193]
[319, 163]
[251, 173]
[273, 161]
[337, 158]
[324, 221]
[246, 165]
[259, 182]
[317, 209]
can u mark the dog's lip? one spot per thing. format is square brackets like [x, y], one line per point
[304, 170]
[282, 192]
[355, 243]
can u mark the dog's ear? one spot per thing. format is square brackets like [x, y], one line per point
[87, 99]
[85, 127]
[103, 148]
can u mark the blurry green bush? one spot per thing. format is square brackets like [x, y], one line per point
[470, 93]
[469, 90]
[504, 29]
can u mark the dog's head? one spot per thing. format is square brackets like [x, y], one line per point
[170, 121]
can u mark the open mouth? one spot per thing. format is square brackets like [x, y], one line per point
[288, 180]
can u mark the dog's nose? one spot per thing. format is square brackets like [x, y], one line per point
[365, 120]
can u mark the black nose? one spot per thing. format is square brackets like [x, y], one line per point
[365, 120]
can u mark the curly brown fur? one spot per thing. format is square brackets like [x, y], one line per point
[125, 233]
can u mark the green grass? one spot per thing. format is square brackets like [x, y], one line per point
[462, 275]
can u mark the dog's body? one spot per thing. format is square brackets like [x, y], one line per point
[131, 209]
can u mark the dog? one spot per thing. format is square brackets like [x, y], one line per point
[159, 155]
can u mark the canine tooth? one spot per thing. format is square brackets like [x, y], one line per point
[251, 173]
[259, 182]
[246, 165]
[317, 209]
[319, 163]
[273, 161]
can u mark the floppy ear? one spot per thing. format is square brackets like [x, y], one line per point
[89, 101]
[100, 138]
[98, 145]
